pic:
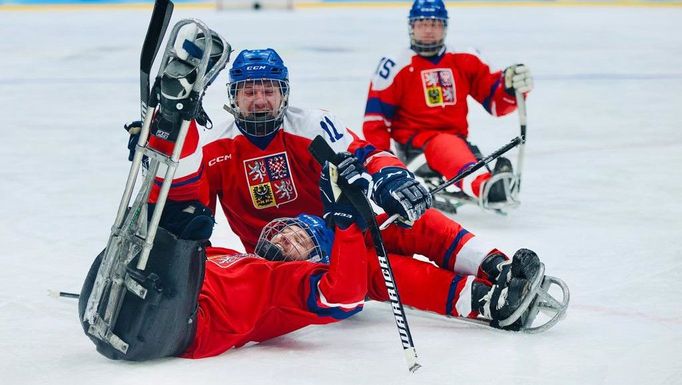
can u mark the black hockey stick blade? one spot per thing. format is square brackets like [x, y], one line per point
[163, 10]
[321, 151]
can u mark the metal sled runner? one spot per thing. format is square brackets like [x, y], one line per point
[537, 299]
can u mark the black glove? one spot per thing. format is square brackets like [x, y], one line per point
[337, 208]
[397, 192]
[189, 220]
[353, 174]
[133, 129]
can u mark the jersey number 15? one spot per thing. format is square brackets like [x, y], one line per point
[384, 67]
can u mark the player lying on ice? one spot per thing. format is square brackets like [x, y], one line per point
[203, 301]
[418, 98]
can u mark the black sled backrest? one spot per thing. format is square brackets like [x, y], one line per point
[163, 324]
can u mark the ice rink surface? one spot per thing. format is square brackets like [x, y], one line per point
[602, 192]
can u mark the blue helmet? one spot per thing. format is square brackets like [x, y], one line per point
[321, 238]
[258, 64]
[428, 10]
[262, 67]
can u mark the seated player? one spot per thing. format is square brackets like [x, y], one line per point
[418, 98]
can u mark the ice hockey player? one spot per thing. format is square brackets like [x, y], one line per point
[419, 99]
[258, 167]
[204, 301]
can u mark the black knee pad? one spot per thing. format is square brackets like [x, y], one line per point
[163, 324]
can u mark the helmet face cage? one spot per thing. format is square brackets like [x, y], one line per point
[427, 49]
[289, 239]
[258, 91]
[254, 120]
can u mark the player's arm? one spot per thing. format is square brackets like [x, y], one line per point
[496, 90]
[337, 291]
[382, 104]
[394, 188]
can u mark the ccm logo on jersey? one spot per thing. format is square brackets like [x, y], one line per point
[219, 159]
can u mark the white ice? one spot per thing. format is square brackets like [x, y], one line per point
[601, 192]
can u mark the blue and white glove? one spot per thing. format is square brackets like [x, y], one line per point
[353, 174]
[338, 210]
[517, 77]
[397, 192]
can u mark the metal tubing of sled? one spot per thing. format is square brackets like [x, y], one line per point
[163, 195]
[134, 169]
[131, 233]
[546, 303]
[113, 245]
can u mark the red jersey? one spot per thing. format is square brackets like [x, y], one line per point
[255, 185]
[245, 298]
[411, 94]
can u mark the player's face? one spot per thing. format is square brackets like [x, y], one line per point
[294, 242]
[259, 96]
[428, 31]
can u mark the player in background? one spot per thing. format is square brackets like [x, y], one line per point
[419, 99]
[203, 301]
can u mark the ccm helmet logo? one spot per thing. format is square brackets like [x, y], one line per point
[255, 68]
[219, 159]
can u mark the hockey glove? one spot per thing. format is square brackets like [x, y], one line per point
[517, 78]
[397, 192]
[353, 174]
[189, 220]
[338, 210]
[133, 129]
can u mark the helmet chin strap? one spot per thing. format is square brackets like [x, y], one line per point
[427, 50]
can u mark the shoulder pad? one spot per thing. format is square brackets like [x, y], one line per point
[388, 68]
[310, 123]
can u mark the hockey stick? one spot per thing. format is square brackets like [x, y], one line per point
[470, 170]
[62, 294]
[163, 10]
[322, 152]
[521, 106]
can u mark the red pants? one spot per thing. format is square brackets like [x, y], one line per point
[448, 155]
